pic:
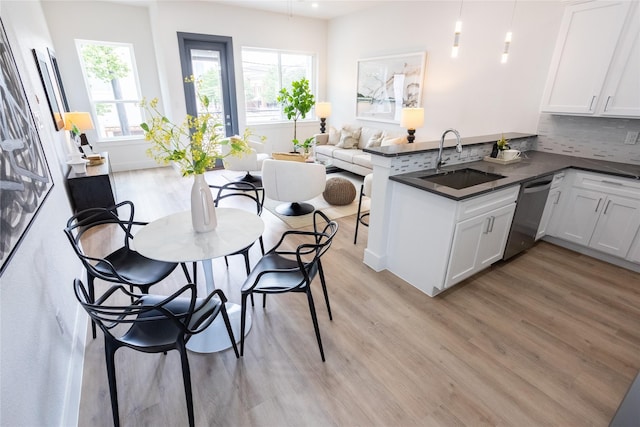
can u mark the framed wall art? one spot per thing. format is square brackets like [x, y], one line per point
[52, 100]
[387, 84]
[58, 78]
[25, 178]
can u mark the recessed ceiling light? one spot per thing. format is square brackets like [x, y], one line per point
[314, 5]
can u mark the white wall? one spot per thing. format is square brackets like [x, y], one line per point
[42, 326]
[112, 22]
[153, 32]
[473, 93]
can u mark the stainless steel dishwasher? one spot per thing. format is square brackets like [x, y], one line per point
[526, 219]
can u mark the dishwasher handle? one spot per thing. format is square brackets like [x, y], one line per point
[537, 187]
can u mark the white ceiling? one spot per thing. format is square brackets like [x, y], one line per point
[322, 9]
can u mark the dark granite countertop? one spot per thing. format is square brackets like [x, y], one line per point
[421, 147]
[533, 165]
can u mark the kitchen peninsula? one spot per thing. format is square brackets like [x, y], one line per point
[426, 245]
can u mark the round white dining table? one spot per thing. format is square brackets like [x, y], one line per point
[173, 239]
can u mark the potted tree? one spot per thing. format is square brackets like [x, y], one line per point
[296, 103]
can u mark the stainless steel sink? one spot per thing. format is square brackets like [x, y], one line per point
[461, 178]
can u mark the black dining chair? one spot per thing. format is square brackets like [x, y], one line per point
[152, 324]
[123, 265]
[363, 218]
[242, 191]
[283, 269]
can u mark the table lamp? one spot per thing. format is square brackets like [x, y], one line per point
[323, 110]
[411, 119]
[82, 121]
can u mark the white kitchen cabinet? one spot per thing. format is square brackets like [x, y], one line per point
[617, 225]
[605, 215]
[478, 242]
[437, 231]
[550, 206]
[634, 252]
[595, 64]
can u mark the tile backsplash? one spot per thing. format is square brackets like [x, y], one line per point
[592, 137]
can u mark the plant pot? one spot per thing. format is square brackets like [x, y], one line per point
[203, 210]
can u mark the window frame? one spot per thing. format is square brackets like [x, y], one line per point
[313, 82]
[93, 102]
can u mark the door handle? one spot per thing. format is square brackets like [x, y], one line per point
[487, 230]
[557, 197]
[606, 207]
[607, 103]
[598, 207]
[492, 219]
[593, 98]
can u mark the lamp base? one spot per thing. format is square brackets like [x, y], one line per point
[322, 124]
[295, 209]
[411, 137]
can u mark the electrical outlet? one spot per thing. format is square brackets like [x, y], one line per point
[632, 138]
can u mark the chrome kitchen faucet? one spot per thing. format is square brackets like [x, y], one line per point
[439, 161]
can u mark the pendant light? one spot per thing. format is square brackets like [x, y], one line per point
[508, 37]
[456, 35]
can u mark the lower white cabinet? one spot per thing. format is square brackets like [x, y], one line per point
[478, 242]
[600, 220]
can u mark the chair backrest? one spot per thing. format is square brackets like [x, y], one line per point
[308, 255]
[163, 312]
[292, 181]
[325, 230]
[88, 219]
[244, 191]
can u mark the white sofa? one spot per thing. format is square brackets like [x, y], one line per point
[343, 148]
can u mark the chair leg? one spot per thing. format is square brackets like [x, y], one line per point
[247, 267]
[243, 314]
[324, 289]
[312, 309]
[226, 261]
[92, 298]
[355, 237]
[261, 245]
[186, 272]
[227, 323]
[195, 273]
[186, 376]
[110, 350]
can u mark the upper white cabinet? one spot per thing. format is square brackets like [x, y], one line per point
[596, 63]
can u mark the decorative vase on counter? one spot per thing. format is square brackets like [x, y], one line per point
[203, 211]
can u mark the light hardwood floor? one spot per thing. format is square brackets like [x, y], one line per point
[551, 337]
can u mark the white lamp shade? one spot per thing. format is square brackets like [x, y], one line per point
[323, 109]
[412, 118]
[80, 119]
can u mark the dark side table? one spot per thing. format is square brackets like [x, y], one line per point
[95, 189]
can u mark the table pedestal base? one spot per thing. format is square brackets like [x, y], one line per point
[215, 337]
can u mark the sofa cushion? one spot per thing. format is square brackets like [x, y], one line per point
[347, 155]
[363, 160]
[326, 150]
[348, 138]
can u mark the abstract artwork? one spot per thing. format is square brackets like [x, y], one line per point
[25, 179]
[387, 84]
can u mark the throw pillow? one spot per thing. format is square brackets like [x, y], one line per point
[348, 139]
[334, 136]
[375, 140]
[394, 141]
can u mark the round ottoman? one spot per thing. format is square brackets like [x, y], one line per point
[339, 191]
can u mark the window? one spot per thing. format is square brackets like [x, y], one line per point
[111, 79]
[265, 73]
